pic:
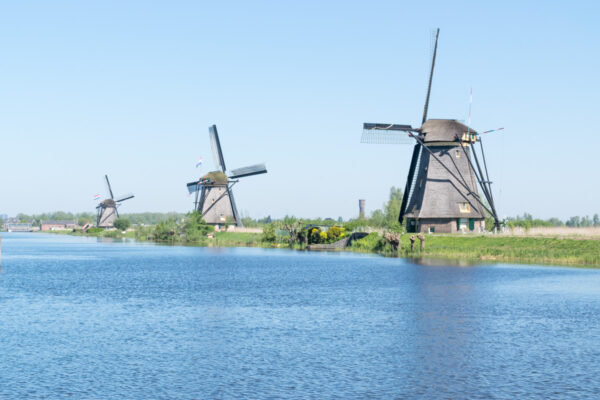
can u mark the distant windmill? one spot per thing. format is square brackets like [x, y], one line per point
[444, 195]
[214, 197]
[107, 209]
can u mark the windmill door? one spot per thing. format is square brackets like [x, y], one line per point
[471, 224]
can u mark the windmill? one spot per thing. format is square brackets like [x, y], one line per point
[107, 209]
[443, 197]
[213, 191]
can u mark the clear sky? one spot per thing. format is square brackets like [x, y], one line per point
[129, 88]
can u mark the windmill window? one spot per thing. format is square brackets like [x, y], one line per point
[457, 153]
[464, 207]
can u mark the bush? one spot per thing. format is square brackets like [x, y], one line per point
[115, 234]
[335, 233]
[314, 236]
[94, 231]
[165, 231]
[122, 224]
[195, 228]
[268, 233]
[371, 242]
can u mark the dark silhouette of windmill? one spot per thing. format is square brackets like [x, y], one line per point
[444, 196]
[213, 191]
[107, 209]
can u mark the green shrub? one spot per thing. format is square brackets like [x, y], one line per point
[268, 233]
[195, 228]
[335, 233]
[112, 234]
[122, 224]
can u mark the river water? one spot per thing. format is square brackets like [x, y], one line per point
[85, 318]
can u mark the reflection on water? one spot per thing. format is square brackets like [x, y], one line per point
[88, 319]
[443, 262]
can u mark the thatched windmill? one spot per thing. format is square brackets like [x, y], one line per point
[107, 209]
[444, 196]
[213, 194]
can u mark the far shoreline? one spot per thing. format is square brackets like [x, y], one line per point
[547, 251]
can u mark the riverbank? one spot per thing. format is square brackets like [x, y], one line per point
[540, 250]
[584, 252]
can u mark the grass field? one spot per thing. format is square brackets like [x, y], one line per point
[539, 250]
[559, 231]
[230, 239]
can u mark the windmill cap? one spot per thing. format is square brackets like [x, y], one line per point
[216, 177]
[443, 130]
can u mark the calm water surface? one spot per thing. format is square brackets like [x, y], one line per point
[83, 318]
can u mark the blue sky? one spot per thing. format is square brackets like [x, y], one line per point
[130, 88]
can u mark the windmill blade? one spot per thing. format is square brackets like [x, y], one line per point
[248, 171]
[386, 133]
[108, 187]
[437, 34]
[492, 130]
[124, 197]
[215, 144]
[193, 187]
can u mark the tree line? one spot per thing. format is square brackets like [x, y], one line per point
[528, 221]
[385, 217]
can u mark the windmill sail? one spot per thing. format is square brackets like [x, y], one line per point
[248, 171]
[386, 133]
[124, 197]
[193, 187]
[216, 148]
[416, 156]
[108, 187]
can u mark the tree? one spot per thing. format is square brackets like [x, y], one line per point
[392, 207]
[586, 221]
[165, 230]
[122, 224]
[292, 226]
[377, 218]
[596, 220]
[195, 228]
[574, 222]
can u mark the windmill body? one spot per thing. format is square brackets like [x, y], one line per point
[213, 191]
[107, 209]
[441, 192]
[440, 201]
[216, 205]
[107, 213]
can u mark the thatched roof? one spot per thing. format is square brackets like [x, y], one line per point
[443, 130]
[216, 177]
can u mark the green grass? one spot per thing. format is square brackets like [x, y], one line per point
[562, 251]
[230, 239]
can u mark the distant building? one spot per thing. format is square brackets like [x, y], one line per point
[60, 225]
[14, 225]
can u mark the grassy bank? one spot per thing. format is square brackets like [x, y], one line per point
[539, 250]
